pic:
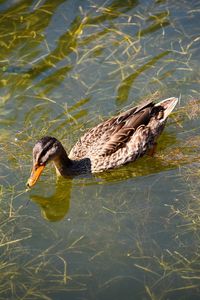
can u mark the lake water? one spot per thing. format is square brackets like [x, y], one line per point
[131, 233]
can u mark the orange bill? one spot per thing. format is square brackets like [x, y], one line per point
[35, 174]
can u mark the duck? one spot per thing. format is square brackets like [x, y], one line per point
[112, 143]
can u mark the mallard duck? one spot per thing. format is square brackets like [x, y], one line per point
[111, 144]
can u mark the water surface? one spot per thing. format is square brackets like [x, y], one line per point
[128, 233]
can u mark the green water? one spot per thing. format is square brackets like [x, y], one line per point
[131, 233]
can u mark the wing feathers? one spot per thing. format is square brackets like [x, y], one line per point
[109, 136]
[127, 125]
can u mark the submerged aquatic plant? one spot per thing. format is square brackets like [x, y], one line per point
[122, 236]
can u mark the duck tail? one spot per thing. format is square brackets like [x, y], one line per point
[168, 105]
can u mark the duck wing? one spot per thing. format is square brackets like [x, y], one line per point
[110, 135]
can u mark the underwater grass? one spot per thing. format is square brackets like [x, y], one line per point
[53, 89]
[158, 268]
[23, 272]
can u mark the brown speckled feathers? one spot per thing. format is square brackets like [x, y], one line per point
[122, 135]
[110, 144]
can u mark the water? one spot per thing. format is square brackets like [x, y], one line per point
[131, 233]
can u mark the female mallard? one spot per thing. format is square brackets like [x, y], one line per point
[110, 144]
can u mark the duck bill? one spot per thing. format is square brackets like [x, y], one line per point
[35, 174]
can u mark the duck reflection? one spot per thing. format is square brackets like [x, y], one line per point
[55, 207]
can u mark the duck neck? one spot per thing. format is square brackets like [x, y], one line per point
[67, 167]
[63, 164]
